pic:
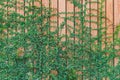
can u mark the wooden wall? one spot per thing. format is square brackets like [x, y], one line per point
[111, 8]
[112, 12]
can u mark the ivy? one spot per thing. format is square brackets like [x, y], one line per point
[29, 50]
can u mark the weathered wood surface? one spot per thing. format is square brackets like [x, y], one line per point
[111, 8]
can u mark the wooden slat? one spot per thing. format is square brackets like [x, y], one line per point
[116, 23]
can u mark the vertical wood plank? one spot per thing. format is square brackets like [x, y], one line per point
[109, 12]
[62, 9]
[54, 18]
[116, 23]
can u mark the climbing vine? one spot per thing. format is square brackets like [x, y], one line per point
[31, 50]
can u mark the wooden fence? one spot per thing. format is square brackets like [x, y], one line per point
[111, 8]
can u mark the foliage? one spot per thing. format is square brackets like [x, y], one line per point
[29, 50]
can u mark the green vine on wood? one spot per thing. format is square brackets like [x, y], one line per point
[29, 50]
